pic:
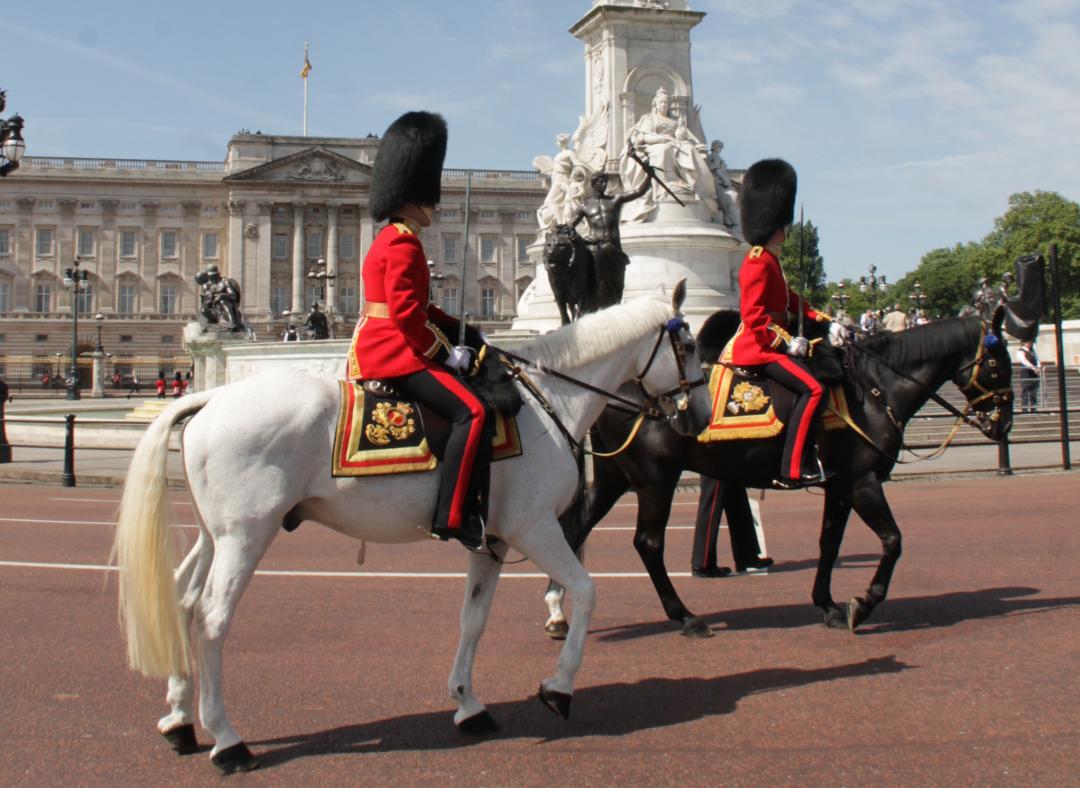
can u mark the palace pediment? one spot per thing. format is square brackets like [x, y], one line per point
[316, 166]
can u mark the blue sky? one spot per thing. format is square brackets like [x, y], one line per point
[910, 121]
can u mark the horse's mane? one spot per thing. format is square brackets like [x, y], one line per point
[597, 334]
[918, 344]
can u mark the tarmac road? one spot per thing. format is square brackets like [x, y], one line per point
[967, 674]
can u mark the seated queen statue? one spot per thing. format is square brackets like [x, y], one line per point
[678, 157]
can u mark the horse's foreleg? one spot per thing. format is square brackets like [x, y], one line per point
[871, 506]
[471, 716]
[654, 509]
[546, 546]
[232, 568]
[834, 519]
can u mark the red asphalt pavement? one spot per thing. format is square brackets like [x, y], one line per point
[967, 674]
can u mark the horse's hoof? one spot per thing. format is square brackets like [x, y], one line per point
[857, 612]
[558, 702]
[182, 739]
[479, 724]
[237, 758]
[696, 629]
[836, 618]
[557, 630]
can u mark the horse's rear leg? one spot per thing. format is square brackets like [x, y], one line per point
[546, 546]
[654, 509]
[833, 523]
[178, 727]
[471, 716]
[233, 565]
[871, 506]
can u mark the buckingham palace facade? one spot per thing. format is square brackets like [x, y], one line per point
[277, 210]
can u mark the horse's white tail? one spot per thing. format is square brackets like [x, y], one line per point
[144, 551]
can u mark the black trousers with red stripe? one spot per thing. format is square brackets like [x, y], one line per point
[463, 490]
[792, 373]
[730, 500]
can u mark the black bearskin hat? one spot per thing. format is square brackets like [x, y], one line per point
[408, 166]
[767, 200]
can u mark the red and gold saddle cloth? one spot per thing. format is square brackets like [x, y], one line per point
[378, 435]
[743, 406]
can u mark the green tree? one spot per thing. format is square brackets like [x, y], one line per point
[947, 276]
[1034, 221]
[806, 235]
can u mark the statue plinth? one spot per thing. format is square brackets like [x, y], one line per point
[207, 344]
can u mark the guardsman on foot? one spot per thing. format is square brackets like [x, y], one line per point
[764, 340]
[402, 338]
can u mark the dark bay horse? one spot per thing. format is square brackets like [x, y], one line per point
[571, 272]
[887, 378]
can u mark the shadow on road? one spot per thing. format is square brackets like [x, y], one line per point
[605, 710]
[893, 615]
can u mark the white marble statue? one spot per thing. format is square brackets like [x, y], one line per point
[725, 189]
[570, 171]
[676, 154]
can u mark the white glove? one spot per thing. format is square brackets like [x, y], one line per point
[798, 346]
[838, 335]
[458, 358]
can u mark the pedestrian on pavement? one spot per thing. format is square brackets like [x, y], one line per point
[868, 322]
[160, 385]
[896, 320]
[1029, 377]
[177, 385]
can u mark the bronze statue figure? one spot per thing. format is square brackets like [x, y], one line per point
[316, 323]
[219, 299]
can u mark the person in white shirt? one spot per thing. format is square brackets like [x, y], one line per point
[868, 322]
[1029, 377]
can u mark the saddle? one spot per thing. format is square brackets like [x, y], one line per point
[380, 432]
[746, 404]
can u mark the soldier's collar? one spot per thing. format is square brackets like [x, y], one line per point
[773, 249]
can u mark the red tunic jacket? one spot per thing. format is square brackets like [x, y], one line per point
[764, 303]
[399, 331]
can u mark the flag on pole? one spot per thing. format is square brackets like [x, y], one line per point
[307, 63]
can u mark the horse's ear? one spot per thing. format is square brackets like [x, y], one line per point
[678, 296]
[999, 317]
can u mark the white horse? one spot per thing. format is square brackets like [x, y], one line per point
[257, 453]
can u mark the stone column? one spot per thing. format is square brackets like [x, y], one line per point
[331, 257]
[260, 304]
[108, 254]
[297, 305]
[98, 384]
[367, 237]
[23, 297]
[149, 256]
[236, 268]
[191, 256]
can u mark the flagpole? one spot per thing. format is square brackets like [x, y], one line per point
[305, 85]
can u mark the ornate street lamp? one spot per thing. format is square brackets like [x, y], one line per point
[100, 318]
[12, 145]
[872, 285]
[841, 298]
[436, 281]
[318, 273]
[75, 281]
[918, 297]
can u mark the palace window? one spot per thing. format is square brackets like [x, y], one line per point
[487, 214]
[86, 299]
[168, 245]
[450, 249]
[167, 302]
[86, 243]
[523, 248]
[5, 296]
[487, 302]
[44, 245]
[210, 246]
[312, 296]
[314, 244]
[281, 246]
[127, 243]
[125, 300]
[42, 298]
[5, 242]
[347, 297]
[279, 299]
[449, 300]
[348, 246]
[487, 250]
[448, 216]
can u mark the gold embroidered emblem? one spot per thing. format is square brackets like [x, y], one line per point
[747, 398]
[391, 422]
